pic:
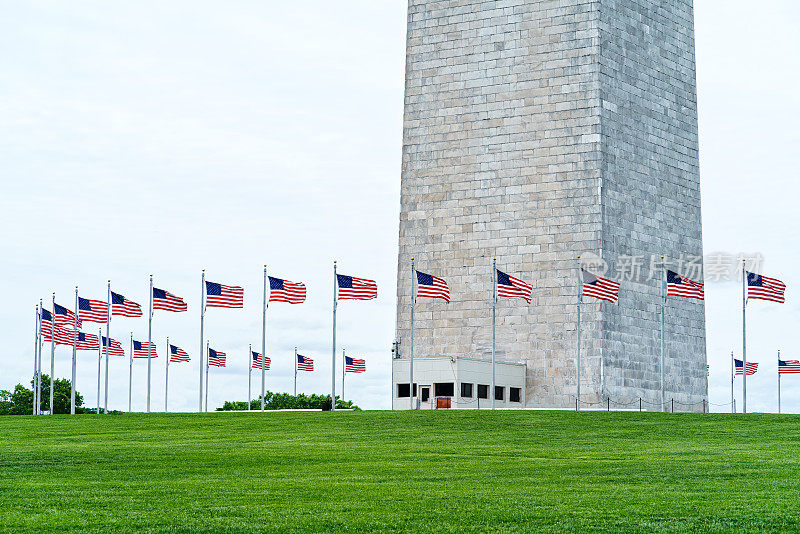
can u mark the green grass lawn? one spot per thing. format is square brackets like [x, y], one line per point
[443, 471]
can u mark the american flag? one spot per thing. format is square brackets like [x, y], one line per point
[177, 354]
[164, 300]
[708, 370]
[788, 367]
[87, 342]
[680, 286]
[286, 291]
[600, 288]
[92, 311]
[258, 361]
[140, 349]
[114, 348]
[508, 286]
[765, 288]
[354, 365]
[352, 288]
[124, 307]
[432, 286]
[752, 367]
[222, 296]
[64, 336]
[304, 363]
[64, 317]
[46, 325]
[216, 358]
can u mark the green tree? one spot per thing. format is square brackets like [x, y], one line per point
[20, 401]
[285, 401]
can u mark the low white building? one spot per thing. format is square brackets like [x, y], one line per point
[459, 382]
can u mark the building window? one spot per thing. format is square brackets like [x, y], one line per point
[466, 390]
[444, 389]
[483, 391]
[514, 394]
[402, 390]
[499, 392]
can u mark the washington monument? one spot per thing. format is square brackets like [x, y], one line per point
[535, 132]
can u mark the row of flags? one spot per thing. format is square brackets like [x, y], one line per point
[785, 367]
[145, 349]
[230, 296]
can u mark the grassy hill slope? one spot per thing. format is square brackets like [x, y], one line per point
[443, 471]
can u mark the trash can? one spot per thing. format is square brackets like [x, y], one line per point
[326, 405]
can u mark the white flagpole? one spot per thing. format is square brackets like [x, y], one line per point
[264, 344]
[744, 340]
[779, 380]
[580, 292]
[149, 342]
[130, 373]
[494, 313]
[39, 359]
[52, 352]
[733, 374]
[99, 364]
[108, 344]
[166, 379]
[202, 316]
[74, 357]
[344, 367]
[35, 360]
[295, 371]
[333, 353]
[411, 347]
[207, 353]
[250, 374]
[41, 343]
[663, 309]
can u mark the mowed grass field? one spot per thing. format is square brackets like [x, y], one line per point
[442, 471]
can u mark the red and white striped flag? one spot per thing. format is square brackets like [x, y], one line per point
[46, 325]
[752, 367]
[177, 354]
[258, 361]
[92, 311]
[164, 300]
[600, 288]
[788, 367]
[64, 317]
[765, 288]
[114, 348]
[223, 296]
[304, 363]
[124, 307]
[140, 349]
[354, 365]
[285, 291]
[432, 287]
[508, 286]
[352, 288]
[64, 336]
[680, 286]
[216, 358]
[87, 342]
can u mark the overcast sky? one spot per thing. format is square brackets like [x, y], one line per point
[165, 138]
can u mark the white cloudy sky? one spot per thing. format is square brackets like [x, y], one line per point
[165, 138]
